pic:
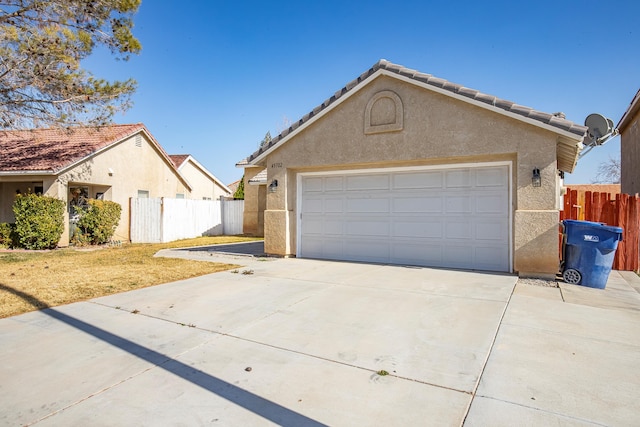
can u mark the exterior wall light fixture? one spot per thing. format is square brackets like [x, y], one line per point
[536, 181]
[273, 186]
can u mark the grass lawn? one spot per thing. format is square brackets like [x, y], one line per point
[34, 280]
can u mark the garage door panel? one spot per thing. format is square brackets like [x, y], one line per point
[489, 257]
[367, 204]
[458, 179]
[368, 182]
[375, 228]
[313, 184]
[457, 256]
[459, 204]
[312, 246]
[417, 180]
[312, 226]
[426, 229]
[458, 228]
[367, 250]
[313, 205]
[490, 230]
[491, 177]
[334, 183]
[416, 254]
[417, 204]
[333, 205]
[454, 218]
[492, 204]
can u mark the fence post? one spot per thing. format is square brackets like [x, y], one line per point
[620, 212]
[634, 219]
[222, 216]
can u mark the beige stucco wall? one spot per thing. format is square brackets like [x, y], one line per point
[630, 156]
[149, 172]
[203, 186]
[255, 197]
[436, 129]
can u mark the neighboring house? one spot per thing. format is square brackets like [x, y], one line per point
[114, 162]
[629, 128]
[405, 168]
[233, 187]
[204, 184]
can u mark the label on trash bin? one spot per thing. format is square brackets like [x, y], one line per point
[591, 238]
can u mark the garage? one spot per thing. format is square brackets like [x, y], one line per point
[401, 167]
[453, 217]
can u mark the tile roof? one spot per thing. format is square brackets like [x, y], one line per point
[178, 159]
[234, 186]
[556, 120]
[260, 178]
[50, 150]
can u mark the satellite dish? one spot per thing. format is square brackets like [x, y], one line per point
[600, 128]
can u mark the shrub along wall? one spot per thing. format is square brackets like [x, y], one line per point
[97, 222]
[39, 221]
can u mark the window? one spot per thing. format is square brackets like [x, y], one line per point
[206, 198]
[143, 194]
[179, 196]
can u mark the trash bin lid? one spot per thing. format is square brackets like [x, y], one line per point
[600, 225]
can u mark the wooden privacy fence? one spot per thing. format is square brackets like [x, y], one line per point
[621, 210]
[165, 220]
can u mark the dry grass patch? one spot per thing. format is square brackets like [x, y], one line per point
[35, 280]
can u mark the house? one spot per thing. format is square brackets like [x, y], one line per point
[115, 162]
[205, 186]
[629, 128]
[402, 167]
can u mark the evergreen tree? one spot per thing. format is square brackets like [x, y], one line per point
[41, 46]
[239, 194]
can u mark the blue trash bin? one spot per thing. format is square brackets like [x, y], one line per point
[589, 250]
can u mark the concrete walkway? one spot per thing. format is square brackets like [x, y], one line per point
[301, 342]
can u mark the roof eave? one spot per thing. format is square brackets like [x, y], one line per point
[206, 172]
[631, 112]
[383, 72]
[28, 173]
[567, 154]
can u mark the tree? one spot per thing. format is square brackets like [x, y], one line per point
[239, 194]
[266, 140]
[41, 46]
[608, 172]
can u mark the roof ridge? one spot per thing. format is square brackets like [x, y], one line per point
[491, 100]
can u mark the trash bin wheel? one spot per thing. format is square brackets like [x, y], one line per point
[572, 276]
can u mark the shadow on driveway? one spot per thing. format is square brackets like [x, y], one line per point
[258, 405]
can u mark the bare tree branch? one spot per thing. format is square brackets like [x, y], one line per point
[608, 172]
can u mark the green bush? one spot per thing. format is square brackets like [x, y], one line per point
[39, 221]
[97, 223]
[239, 194]
[7, 234]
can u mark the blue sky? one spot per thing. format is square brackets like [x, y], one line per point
[215, 76]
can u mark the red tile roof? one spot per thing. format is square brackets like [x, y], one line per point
[50, 150]
[178, 159]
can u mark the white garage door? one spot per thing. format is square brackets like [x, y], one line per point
[455, 217]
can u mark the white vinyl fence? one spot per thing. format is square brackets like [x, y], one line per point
[165, 220]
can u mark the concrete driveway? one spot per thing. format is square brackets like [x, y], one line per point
[301, 342]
